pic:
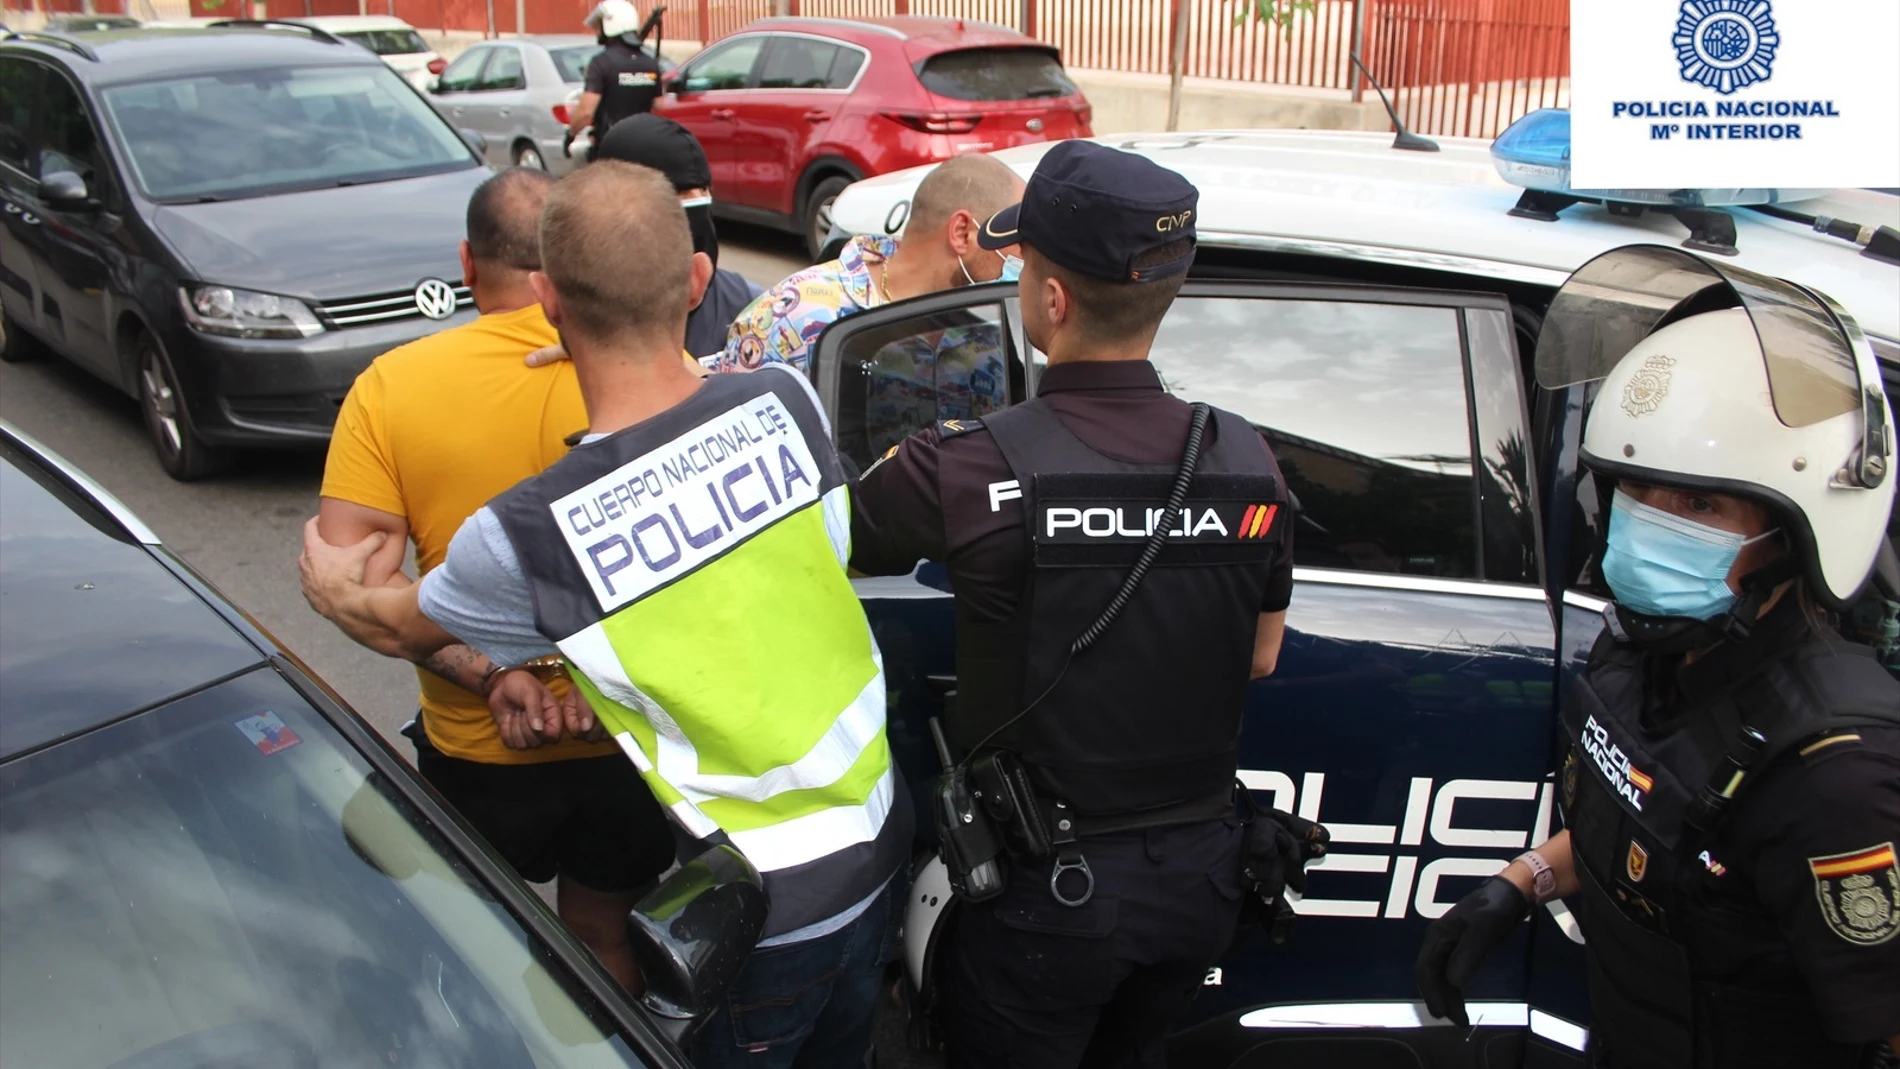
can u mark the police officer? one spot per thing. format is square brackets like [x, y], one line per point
[1116, 732]
[622, 80]
[1732, 786]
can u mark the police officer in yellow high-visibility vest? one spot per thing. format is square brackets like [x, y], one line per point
[687, 559]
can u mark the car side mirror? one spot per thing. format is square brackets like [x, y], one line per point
[693, 933]
[475, 140]
[66, 191]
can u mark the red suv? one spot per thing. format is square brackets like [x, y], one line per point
[792, 110]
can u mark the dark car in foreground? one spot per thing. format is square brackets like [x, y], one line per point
[211, 862]
[227, 224]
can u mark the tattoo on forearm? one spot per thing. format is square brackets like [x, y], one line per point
[460, 665]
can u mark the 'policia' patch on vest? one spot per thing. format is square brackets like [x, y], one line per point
[1094, 518]
[662, 515]
[1624, 778]
[1859, 893]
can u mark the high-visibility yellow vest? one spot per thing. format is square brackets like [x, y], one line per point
[691, 569]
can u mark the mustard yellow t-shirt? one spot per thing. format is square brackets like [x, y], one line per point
[430, 432]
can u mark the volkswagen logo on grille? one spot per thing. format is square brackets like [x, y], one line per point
[435, 298]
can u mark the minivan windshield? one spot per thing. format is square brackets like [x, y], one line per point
[248, 133]
[225, 881]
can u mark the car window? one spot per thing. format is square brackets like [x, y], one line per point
[388, 42]
[460, 76]
[726, 66]
[225, 880]
[798, 63]
[254, 132]
[19, 90]
[572, 62]
[66, 138]
[844, 69]
[503, 72]
[899, 378]
[996, 74]
[1364, 405]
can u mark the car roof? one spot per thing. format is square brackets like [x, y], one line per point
[133, 55]
[93, 625]
[350, 23]
[926, 34]
[1350, 194]
[558, 40]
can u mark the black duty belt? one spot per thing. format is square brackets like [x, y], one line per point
[1066, 827]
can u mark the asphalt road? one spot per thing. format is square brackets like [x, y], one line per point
[242, 530]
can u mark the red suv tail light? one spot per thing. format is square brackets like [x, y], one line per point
[562, 115]
[1084, 114]
[936, 122]
[437, 66]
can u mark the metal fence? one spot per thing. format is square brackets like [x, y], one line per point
[1457, 67]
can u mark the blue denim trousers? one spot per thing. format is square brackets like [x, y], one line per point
[807, 1005]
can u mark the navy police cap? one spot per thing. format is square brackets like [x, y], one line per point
[1097, 210]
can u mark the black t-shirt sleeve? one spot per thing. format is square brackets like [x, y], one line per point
[897, 509]
[1280, 587]
[600, 73]
[1822, 831]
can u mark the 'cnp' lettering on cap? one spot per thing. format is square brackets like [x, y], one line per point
[1174, 222]
[665, 513]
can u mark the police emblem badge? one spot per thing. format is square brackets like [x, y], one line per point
[1725, 44]
[1646, 389]
[1570, 778]
[1637, 864]
[1859, 893]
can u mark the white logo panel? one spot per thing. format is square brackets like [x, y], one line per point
[665, 513]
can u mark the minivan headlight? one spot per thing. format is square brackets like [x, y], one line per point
[240, 313]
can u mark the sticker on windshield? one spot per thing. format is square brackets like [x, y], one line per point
[268, 733]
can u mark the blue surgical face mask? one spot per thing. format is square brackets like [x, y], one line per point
[1660, 564]
[1012, 268]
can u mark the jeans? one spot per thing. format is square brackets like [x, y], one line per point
[807, 1005]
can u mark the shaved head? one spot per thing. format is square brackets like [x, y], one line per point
[974, 183]
[616, 249]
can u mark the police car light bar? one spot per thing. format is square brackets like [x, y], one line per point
[1534, 155]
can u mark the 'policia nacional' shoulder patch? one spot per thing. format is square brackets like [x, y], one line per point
[1094, 519]
[952, 428]
[1859, 893]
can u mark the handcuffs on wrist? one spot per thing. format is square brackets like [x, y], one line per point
[546, 669]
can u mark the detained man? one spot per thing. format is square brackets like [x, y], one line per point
[693, 510]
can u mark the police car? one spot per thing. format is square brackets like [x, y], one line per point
[1373, 310]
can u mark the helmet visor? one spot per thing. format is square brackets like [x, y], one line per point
[1615, 301]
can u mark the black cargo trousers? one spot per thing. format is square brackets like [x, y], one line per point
[1033, 984]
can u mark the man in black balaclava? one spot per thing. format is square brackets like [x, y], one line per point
[671, 149]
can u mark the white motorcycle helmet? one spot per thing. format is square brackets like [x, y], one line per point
[1716, 378]
[612, 18]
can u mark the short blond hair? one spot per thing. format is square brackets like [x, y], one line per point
[616, 247]
[975, 183]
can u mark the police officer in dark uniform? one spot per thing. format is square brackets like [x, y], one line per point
[1100, 696]
[1732, 785]
[622, 79]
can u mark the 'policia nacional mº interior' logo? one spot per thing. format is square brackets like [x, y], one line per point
[1725, 44]
[1859, 893]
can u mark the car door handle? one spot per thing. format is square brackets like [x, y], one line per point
[816, 115]
[503, 113]
[723, 113]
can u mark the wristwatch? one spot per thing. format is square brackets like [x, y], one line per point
[1543, 878]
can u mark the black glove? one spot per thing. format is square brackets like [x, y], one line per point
[1457, 942]
[1279, 845]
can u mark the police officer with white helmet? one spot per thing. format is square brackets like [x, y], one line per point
[1731, 793]
[623, 79]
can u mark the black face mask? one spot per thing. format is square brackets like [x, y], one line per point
[699, 219]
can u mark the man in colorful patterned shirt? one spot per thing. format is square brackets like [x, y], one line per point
[939, 252]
